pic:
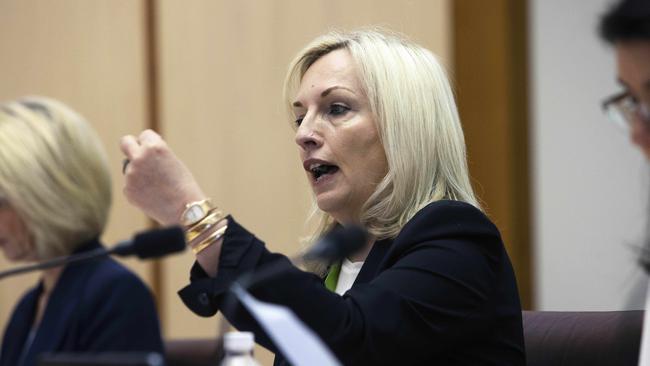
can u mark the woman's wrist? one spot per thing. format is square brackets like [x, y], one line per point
[181, 203]
[209, 237]
[208, 258]
[204, 224]
[207, 246]
[195, 212]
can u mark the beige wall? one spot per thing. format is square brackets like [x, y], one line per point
[490, 64]
[220, 69]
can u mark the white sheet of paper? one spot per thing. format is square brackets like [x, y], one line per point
[299, 344]
[644, 356]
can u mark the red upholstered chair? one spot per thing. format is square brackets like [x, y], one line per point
[192, 352]
[608, 338]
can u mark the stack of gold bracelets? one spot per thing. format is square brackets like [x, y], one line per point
[201, 222]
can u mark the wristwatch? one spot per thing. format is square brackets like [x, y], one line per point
[195, 212]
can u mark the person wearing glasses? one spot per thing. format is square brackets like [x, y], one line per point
[627, 27]
[55, 196]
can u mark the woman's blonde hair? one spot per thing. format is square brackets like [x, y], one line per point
[54, 173]
[417, 120]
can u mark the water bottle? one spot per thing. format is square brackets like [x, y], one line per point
[239, 349]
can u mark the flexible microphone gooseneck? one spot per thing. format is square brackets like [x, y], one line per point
[339, 243]
[149, 244]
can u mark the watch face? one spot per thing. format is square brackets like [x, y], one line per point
[194, 214]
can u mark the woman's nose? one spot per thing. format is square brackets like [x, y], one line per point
[307, 135]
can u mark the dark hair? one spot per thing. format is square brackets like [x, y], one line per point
[628, 20]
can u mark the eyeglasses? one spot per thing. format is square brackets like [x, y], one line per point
[623, 108]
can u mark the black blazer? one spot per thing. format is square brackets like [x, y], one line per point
[96, 306]
[442, 292]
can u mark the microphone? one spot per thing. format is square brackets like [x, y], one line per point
[339, 243]
[152, 244]
[149, 244]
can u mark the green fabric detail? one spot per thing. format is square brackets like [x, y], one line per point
[332, 278]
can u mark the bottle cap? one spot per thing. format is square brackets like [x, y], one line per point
[239, 341]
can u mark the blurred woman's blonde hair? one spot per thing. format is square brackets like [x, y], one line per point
[417, 120]
[54, 173]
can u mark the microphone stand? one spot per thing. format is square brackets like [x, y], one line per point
[246, 281]
[149, 244]
[56, 262]
[335, 245]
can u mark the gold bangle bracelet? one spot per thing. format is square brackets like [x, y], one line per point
[209, 230]
[200, 227]
[208, 216]
[218, 234]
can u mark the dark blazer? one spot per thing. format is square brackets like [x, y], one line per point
[443, 292]
[96, 306]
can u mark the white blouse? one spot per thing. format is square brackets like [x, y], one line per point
[349, 273]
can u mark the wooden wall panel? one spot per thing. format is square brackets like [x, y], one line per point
[221, 69]
[90, 55]
[491, 79]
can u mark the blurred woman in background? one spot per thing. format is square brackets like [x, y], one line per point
[55, 195]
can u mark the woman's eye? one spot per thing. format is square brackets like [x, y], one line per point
[298, 121]
[338, 109]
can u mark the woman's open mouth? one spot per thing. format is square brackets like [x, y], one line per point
[321, 171]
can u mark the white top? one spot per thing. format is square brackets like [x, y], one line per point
[349, 273]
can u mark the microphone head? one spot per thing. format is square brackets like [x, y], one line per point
[340, 242]
[154, 243]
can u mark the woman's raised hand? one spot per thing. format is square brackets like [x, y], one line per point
[156, 181]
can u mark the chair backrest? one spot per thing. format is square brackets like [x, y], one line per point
[558, 338]
[192, 352]
[553, 338]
